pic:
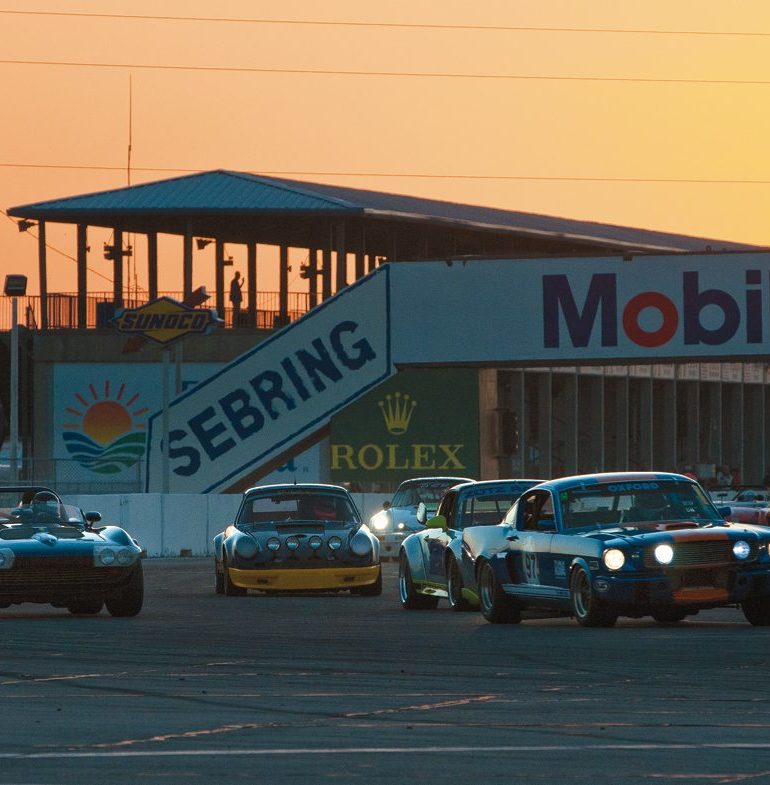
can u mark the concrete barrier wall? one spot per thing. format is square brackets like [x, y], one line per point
[170, 524]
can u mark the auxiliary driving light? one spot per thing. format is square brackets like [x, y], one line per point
[292, 543]
[335, 543]
[273, 544]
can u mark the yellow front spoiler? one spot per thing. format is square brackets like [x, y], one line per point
[308, 579]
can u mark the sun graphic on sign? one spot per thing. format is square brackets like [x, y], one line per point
[105, 428]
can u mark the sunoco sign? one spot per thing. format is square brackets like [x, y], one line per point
[165, 320]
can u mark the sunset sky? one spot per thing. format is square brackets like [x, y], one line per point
[655, 114]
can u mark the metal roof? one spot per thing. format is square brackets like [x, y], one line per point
[222, 193]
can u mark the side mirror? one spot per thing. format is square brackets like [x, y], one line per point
[546, 525]
[422, 513]
[439, 522]
[93, 517]
[386, 505]
[724, 511]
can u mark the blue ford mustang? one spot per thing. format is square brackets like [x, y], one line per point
[624, 544]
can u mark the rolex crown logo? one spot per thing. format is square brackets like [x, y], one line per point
[397, 410]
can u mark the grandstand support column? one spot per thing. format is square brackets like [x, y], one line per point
[251, 283]
[326, 272]
[117, 285]
[283, 286]
[187, 260]
[361, 252]
[82, 255]
[342, 256]
[152, 265]
[312, 277]
[42, 274]
[219, 278]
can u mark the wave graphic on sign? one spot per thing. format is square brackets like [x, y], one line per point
[106, 435]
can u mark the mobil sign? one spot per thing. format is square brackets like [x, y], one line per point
[568, 310]
[679, 306]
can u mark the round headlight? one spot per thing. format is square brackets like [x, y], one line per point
[614, 558]
[664, 554]
[400, 526]
[125, 556]
[742, 550]
[273, 544]
[315, 542]
[246, 547]
[361, 545]
[335, 543]
[292, 543]
[380, 522]
[107, 556]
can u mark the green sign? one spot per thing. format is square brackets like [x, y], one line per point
[418, 423]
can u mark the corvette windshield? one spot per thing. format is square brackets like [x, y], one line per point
[268, 510]
[42, 515]
[609, 505]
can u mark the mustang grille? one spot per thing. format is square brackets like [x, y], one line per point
[697, 552]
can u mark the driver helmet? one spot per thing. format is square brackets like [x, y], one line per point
[651, 502]
[45, 502]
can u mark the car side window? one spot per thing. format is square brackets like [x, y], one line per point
[538, 511]
[447, 507]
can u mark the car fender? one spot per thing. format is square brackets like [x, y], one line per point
[115, 534]
[578, 561]
[218, 546]
[411, 547]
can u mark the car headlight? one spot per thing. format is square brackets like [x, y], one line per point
[664, 554]
[335, 543]
[126, 556]
[742, 550]
[380, 521]
[273, 544]
[246, 547]
[104, 557]
[361, 545]
[614, 558]
[315, 542]
[401, 526]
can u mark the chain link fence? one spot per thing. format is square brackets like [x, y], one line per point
[68, 476]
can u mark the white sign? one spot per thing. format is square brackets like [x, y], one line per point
[652, 308]
[282, 391]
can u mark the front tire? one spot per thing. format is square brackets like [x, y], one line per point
[587, 608]
[410, 599]
[372, 589]
[228, 587]
[129, 602]
[454, 584]
[219, 579]
[496, 606]
[757, 611]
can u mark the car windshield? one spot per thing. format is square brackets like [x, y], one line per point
[487, 506]
[267, 509]
[609, 505]
[50, 513]
[429, 493]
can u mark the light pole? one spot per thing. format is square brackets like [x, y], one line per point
[15, 287]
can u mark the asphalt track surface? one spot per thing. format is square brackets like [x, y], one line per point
[343, 689]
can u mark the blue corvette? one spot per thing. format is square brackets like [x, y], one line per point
[624, 544]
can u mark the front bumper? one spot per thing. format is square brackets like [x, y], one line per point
[390, 542]
[315, 579]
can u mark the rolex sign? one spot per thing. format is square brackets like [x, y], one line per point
[418, 423]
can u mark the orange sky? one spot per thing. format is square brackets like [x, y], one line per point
[64, 129]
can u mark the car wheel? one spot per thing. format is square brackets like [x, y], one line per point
[668, 615]
[129, 602]
[757, 611]
[228, 587]
[87, 606]
[496, 606]
[410, 599]
[219, 579]
[587, 608]
[373, 589]
[454, 584]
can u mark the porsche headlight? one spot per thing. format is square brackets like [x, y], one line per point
[742, 550]
[104, 557]
[361, 545]
[614, 558]
[664, 554]
[292, 543]
[315, 542]
[335, 543]
[246, 547]
[273, 544]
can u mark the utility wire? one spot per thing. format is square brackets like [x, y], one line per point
[389, 74]
[411, 175]
[389, 25]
